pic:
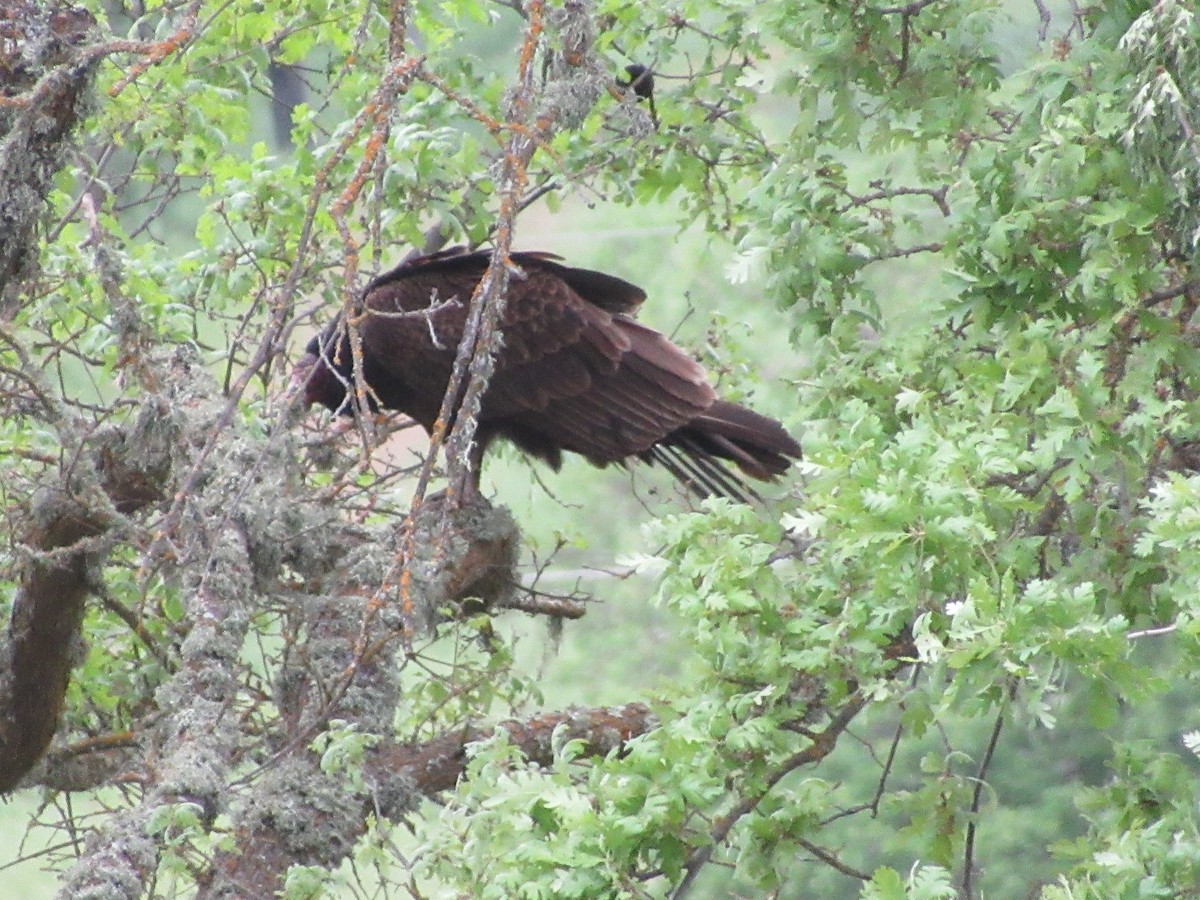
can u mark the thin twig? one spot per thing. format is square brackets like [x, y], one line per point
[909, 10]
[822, 745]
[977, 797]
[900, 252]
[831, 860]
[1044, 18]
[1152, 632]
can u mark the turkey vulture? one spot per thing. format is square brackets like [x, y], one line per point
[576, 372]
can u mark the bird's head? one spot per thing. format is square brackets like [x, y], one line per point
[322, 381]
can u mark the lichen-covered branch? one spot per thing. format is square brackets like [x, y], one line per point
[532, 117]
[281, 828]
[38, 55]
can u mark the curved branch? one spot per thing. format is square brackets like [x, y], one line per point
[437, 765]
[36, 660]
[822, 745]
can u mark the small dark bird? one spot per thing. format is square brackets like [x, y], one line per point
[575, 373]
[641, 80]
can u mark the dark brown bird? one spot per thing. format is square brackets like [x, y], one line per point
[576, 372]
[641, 80]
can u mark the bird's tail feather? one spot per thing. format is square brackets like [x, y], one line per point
[759, 446]
[700, 473]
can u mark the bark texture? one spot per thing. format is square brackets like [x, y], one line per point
[46, 82]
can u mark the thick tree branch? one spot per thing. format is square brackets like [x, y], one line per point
[438, 764]
[39, 650]
[63, 538]
[398, 774]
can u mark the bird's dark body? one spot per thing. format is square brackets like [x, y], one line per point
[575, 373]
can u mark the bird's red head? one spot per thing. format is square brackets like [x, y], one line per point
[322, 382]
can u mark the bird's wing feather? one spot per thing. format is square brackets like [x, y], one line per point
[594, 382]
[598, 288]
[575, 371]
[605, 386]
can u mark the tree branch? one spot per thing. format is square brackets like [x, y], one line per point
[37, 657]
[822, 744]
[437, 765]
[398, 774]
[977, 796]
[37, 134]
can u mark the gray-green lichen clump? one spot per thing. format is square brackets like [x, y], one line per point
[48, 85]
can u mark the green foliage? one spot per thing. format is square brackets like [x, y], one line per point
[981, 482]
[306, 883]
[342, 747]
[1162, 49]
[963, 647]
[926, 883]
[476, 671]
